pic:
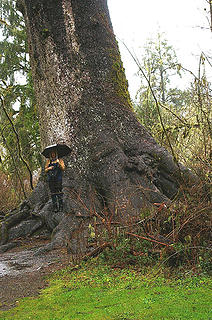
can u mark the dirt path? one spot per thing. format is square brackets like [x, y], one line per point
[23, 275]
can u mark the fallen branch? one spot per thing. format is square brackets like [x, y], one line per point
[148, 239]
[96, 251]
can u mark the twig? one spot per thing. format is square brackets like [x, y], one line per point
[18, 142]
[13, 160]
[148, 239]
[156, 102]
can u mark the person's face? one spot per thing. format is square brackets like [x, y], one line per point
[53, 154]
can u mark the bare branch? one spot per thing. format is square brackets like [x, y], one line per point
[18, 142]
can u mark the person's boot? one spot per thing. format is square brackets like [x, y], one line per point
[60, 202]
[54, 202]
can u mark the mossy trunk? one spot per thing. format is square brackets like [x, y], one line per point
[116, 167]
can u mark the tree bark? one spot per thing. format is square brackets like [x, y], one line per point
[116, 168]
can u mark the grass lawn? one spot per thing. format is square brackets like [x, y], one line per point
[97, 292]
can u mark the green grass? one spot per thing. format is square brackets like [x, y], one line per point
[98, 292]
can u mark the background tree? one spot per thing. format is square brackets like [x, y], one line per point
[159, 63]
[209, 12]
[178, 110]
[17, 100]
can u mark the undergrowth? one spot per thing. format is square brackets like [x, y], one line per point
[178, 236]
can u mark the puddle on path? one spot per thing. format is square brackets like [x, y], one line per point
[3, 269]
[17, 263]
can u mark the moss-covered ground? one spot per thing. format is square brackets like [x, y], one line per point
[95, 291]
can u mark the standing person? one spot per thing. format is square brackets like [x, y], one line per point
[54, 168]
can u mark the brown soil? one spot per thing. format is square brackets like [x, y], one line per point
[27, 280]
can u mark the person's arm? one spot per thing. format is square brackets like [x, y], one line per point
[61, 164]
[47, 168]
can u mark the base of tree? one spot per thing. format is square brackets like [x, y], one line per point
[123, 186]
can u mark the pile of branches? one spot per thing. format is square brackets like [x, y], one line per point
[177, 235]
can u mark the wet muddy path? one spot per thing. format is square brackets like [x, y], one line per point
[22, 274]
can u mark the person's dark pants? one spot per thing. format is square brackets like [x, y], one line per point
[56, 194]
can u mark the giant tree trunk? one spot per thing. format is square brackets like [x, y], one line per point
[116, 167]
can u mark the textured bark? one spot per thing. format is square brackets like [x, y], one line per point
[116, 167]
